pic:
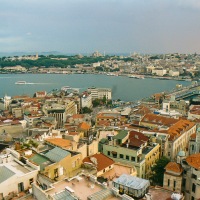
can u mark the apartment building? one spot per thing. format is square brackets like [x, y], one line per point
[58, 111]
[86, 100]
[191, 177]
[179, 138]
[131, 148]
[100, 93]
[15, 176]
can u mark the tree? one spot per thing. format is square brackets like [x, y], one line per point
[96, 102]
[86, 110]
[158, 171]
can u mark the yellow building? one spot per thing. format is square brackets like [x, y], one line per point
[57, 163]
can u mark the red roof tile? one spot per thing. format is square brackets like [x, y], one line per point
[100, 159]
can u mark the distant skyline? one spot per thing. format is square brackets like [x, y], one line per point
[113, 26]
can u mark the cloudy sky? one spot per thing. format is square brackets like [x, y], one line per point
[113, 26]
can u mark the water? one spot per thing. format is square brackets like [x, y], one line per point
[124, 88]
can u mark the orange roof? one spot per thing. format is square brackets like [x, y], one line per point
[78, 116]
[84, 126]
[174, 167]
[101, 160]
[193, 136]
[157, 119]
[194, 160]
[60, 142]
[73, 133]
[178, 128]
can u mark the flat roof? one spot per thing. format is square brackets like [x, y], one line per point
[121, 135]
[5, 173]
[81, 186]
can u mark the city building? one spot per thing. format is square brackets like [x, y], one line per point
[98, 162]
[173, 177]
[15, 176]
[100, 93]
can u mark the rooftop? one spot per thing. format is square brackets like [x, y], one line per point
[121, 135]
[174, 167]
[132, 181]
[80, 186]
[56, 154]
[194, 161]
[160, 193]
[5, 173]
[40, 160]
[63, 143]
[119, 169]
[99, 160]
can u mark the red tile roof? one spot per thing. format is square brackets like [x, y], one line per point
[194, 160]
[157, 119]
[136, 139]
[174, 167]
[84, 126]
[78, 116]
[100, 159]
[179, 128]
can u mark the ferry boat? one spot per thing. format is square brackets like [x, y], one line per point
[20, 83]
[65, 88]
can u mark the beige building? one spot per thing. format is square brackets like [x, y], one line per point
[191, 177]
[100, 93]
[57, 163]
[15, 176]
[173, 177]
[179, 138]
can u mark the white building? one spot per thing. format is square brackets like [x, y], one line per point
[174, 73]
[99, 93]
[159, 71]
[86, 100]
[15, 176]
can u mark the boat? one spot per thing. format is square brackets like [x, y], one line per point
[20, 82]
[65, 88]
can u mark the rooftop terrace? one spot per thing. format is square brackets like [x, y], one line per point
[79, 186]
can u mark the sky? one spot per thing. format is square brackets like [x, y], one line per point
[113, 26]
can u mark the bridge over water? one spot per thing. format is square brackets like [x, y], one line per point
[186, 92]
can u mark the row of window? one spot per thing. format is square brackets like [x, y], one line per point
[122, 156]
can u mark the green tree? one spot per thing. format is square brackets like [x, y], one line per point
[96, 102]
[158, 171]
[86, 110]
[104, 100]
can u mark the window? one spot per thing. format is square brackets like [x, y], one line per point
[121, 156]
[184, 182]
[174, 184]
[133, 159]
[193, 187]
[194, 176]
[30, 181]
[168, 184]
[127, 157]
[108, 153]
